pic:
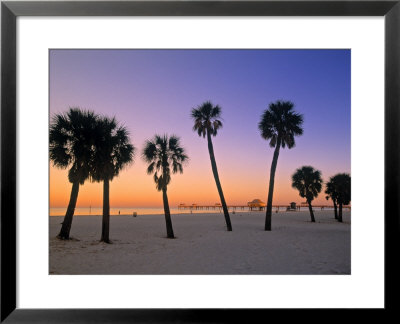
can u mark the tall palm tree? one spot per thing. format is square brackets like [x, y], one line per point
[113, 152]
[71, 140]
[207, 123]
[309, 184]
[164, 154]
[342, 185]
[279, 124]
[331, 194]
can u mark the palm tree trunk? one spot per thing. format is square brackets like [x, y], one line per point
[105, 228]
[311, 211]
[268, 215]
[217, 182]
[66, 224]
[335, 207]
[168, 221]
[340, 219]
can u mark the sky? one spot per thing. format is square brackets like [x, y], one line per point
[153, 91]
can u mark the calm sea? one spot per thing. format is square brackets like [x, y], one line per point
[85, 211]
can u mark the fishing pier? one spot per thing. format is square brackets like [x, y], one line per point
[288, 207]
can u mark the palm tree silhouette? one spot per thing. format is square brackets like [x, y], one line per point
[279, 124]
[309, 184]
[331, 193]
[71, 140]
[342, 186]
[113, 152]
[206, 123]
[164, 154]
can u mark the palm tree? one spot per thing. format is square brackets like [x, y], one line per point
[309, 184]
[331, 193]
[342, 185]
[164, 154]
[206, 123]
[113, 152]
[71, 140]
[279, 124]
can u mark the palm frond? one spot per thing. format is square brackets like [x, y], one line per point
[71, 139]
[308, 182]
[339, 187]
[164, 153]
[280, 121]
[206, 119]
[114, 152]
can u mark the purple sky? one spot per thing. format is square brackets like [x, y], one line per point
[153, 91]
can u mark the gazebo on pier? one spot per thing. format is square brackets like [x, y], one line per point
[256, 203]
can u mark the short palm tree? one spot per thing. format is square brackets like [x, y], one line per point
[279, 124]
[331, 194]
[71, 140]
[164, 155]
[113, 152]
[308, 182]
[342, 185]
[207, 123]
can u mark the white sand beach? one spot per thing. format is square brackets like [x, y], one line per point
[203, 246]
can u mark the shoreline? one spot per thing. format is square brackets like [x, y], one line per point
[209, 212]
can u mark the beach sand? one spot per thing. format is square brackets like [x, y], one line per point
[203, 246]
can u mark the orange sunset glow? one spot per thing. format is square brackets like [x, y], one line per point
[153, 92]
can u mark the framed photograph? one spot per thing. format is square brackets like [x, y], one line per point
[167, 161]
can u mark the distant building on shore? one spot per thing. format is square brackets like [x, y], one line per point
[256, 203]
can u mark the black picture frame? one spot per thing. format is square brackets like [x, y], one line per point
[10, 10]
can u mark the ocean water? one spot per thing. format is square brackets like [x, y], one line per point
[93, 211]
[85, 211]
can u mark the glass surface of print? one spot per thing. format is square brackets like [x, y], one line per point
[249, 215]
